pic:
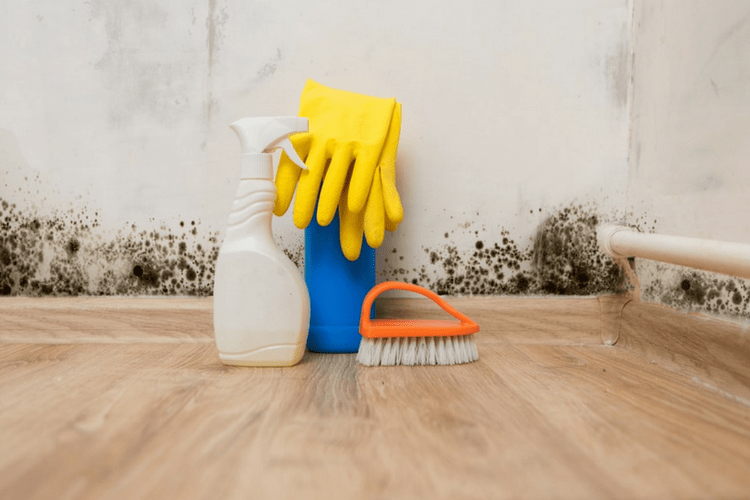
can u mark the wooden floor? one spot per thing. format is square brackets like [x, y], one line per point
[126, 398]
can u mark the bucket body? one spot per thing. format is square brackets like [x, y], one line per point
[337, 288]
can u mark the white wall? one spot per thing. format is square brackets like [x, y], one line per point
[690, 144]
[691, 116]
[119, 110]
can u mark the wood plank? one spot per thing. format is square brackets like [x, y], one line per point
[627, 421]
[561, 320]
[709, 351]
[547, 412]
[89, 303]
[62, 320]
[106, 319]
[611, 307]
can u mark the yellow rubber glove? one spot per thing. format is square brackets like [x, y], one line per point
[364, 191]
[383, 209]
[344, 127]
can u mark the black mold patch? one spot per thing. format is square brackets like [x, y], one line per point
[566, 258]
[296, 255]
[699, 291]
[65, 254]
[563, 259]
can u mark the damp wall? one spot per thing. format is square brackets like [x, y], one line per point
[525, 125]
[689, 166]
[118, 165]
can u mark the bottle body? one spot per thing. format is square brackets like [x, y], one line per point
[261, 303]
[337, 289]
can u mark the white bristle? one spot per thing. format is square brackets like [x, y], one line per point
[431, 353]
[388, 357]
[411, 351]
[443, 351]
[421, 352]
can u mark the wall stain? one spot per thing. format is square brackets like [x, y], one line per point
[695, 291]
[66, 254]
[295, 253]
[211, 29]
[215, 22]
[563, 259]
[139, 80]
[566, 257]
[618, 72]
[269, 68]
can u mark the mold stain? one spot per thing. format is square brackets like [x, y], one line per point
[563, 259]
[566, 259]
[695, 291]
[296, 255]
[66, 254]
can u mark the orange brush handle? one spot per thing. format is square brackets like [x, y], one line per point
[412, 327]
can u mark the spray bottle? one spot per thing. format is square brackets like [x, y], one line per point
[261, 303]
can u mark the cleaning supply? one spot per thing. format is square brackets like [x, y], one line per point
[350, 149]
[383, 209]
[337, 288]
[261, 303]
[389, 342]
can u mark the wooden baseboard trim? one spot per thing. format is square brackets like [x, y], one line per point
[713, 353]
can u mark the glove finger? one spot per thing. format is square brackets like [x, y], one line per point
[362, 174]
[288, 174]
[375, 214]
[390, 144]
[392, 200]
[333, 184]
[308, 186]
[351, 228]
[390, 225]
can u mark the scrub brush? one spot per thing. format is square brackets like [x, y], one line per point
[387, 342]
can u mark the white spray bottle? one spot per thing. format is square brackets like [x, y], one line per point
[261, 303]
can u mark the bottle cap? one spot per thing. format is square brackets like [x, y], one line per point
[259, 137]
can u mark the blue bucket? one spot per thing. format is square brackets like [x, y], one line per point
[337, 288]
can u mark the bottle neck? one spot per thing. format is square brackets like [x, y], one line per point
[252, 210]
[256, 166]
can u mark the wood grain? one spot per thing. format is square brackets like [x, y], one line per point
[709, 351]
[611, 307]
[137, 408]
[106, 319]
[533, 320]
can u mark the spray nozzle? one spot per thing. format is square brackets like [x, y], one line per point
[286, 145]
[260, 136]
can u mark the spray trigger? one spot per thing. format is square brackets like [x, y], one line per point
[259, 137]
[285, 144]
